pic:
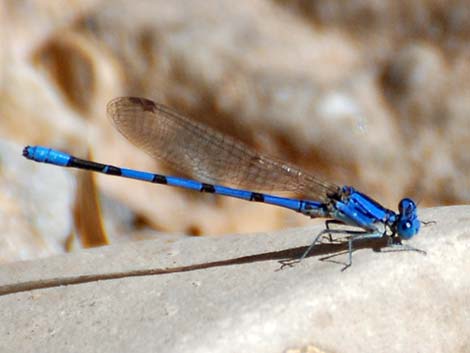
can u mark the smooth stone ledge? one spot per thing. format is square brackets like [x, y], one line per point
[227, 294]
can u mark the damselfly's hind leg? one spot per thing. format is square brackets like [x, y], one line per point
[352, 236]
[328, 222]
[292, 262]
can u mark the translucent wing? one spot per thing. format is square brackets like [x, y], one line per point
[206, 154]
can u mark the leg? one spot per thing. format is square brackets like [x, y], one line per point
[354, 234]
[350, 249]
[327, 230]
[327, 226]
[291, 262]
[397, 245]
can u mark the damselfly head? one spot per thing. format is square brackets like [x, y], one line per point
[408, 223]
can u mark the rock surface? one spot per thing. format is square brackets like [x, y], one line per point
[227, 294]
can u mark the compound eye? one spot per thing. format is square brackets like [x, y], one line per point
[406, 206]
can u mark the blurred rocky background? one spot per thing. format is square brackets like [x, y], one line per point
[374, 94]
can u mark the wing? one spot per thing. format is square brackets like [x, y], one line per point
[206, 154]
